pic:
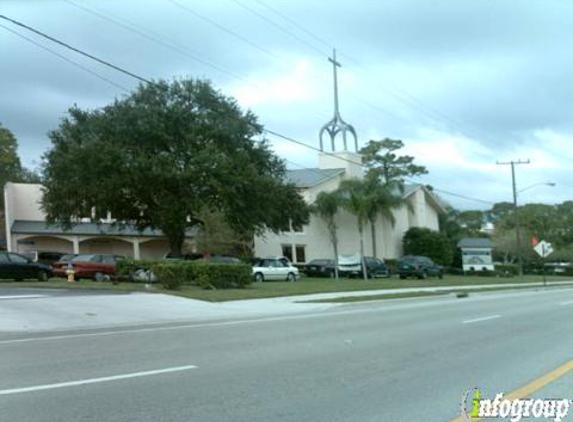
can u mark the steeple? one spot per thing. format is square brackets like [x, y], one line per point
[336, 125]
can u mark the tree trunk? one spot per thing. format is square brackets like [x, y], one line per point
[361, 232]
[176, 239]
[335, 246]
[373, 231]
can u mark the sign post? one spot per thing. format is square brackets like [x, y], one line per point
[543, 249]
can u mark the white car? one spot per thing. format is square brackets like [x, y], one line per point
[275, 269]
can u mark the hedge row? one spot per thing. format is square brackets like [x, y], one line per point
[206, 275]
[126, 267]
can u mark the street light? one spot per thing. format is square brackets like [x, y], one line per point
[536, 184]
[517, 234]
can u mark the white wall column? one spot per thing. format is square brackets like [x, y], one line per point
[136, 252]
[76, 242]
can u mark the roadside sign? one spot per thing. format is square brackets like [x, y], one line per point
[543, 249]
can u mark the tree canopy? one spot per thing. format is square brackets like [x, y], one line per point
[162, 156]
[383, 162]
[11, 169]
[430, 243]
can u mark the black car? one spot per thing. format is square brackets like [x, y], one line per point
[319, 268]
[421, 267]
[375, 268]
[17, 267]
[49, 258]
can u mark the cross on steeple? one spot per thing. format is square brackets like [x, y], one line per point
[336, 125]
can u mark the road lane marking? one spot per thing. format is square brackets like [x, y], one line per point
[96, 380]
[528, 389]
[23, 297]
[570, 302]
[486, 318]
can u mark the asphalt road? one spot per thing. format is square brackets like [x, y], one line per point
[392, 361]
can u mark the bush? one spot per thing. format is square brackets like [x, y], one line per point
[507, 270]
[203, 274]
[171, 275]
[392, 264]
[125, 268]
[430, 243]
[453, 271]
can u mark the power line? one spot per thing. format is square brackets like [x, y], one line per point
[223, 28]
[157, 40]
[276, 25]
[404, 97]
[119, 69]
[83, 53]
[85, 69]
[294, 23]
[445, 192]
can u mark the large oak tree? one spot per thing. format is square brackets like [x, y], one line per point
[163, 156]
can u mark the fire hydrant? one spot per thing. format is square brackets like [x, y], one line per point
[70, 272]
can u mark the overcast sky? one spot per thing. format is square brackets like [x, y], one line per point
[463, 83]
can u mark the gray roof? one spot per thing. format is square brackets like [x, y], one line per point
[89, 229]
[476, 242]
[308, 178]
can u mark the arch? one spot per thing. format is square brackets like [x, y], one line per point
[154, 248]
[44, 243]
[106, 245]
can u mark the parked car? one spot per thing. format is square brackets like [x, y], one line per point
[275, 269]
[319, 268]
[96, 266]
[375, 268]
[419, 266]
[17, 267]
[49, 258]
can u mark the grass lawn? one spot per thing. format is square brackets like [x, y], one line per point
[275, 289]
[348, 299]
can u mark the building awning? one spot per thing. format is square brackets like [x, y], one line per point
[86, 229]
[476, 242]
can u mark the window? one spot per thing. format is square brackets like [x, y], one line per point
[17, 258]
[287, 251]
[3, 258]
[300, 253]
[108, 259]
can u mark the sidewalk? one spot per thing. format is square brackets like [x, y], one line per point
[382, 292]
[66, 312]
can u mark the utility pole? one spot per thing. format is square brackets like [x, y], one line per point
[516, 211]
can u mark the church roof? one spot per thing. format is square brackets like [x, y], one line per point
[308, 178]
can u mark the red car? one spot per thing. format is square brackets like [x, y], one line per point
[96, 266]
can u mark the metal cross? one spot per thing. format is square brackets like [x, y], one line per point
[337, 125]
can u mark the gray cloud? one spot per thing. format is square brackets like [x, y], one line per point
[493, 72]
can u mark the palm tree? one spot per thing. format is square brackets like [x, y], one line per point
[380, 200]
[326, 206]
[354, 199]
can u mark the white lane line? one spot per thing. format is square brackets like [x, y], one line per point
[570, 302]
[22, 297]
[471, 321]
[95, 380]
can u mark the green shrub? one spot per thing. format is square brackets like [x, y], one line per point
[507, 270]
[453, 270]
[392, 264]
[430, 243]
[125, 268]
[170, 275]
[203, 274]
